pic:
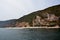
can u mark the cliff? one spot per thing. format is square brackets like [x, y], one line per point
[49, 17]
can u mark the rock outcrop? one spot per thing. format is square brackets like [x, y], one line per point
[49, 17]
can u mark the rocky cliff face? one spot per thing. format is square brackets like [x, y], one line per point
[49, 17]
[50, 20]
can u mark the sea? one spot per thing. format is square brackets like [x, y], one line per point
[30, 34]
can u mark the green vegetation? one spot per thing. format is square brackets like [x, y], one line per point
[51, 10]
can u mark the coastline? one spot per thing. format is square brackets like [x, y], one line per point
[29, 27]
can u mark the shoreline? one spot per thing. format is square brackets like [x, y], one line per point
[29, 27]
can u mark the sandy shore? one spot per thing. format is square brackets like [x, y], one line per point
[26, 27]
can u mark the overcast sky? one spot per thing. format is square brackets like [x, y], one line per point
[13, 9]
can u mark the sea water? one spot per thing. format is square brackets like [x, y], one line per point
[30, 34]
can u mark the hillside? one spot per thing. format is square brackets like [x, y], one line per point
[8, 23]
[54, 10]
[49, 17]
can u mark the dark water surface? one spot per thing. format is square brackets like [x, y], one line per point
[30, 34]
